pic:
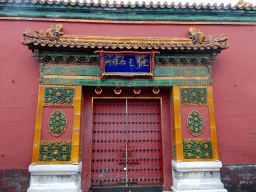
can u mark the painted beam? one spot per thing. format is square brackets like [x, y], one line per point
[96, 81]
[199, 71]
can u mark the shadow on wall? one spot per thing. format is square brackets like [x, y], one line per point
[239, 178]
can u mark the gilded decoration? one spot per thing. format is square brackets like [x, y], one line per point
[193, 97]
[52, 151]
[59, 96]
[197, 149]
[57, 123]
[195, 123]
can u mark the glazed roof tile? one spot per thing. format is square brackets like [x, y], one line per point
[146, 43]
[245, 6]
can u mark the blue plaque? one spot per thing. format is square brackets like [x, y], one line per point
[127, 63]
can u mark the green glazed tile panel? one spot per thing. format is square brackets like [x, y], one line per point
[159, 72]
[126, 83]
[76, 71]
[38, 10]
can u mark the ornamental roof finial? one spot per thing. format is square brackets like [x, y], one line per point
[242, 3]
[196, 36]
[52, 33]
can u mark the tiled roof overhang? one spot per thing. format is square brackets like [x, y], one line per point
[69, 42]
[157, 5]
[120, 12]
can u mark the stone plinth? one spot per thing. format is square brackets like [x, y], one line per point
[197, 176]
[55, 178]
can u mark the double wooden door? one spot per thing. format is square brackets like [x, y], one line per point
[126, 142]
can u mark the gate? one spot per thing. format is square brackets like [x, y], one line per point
[127, 144]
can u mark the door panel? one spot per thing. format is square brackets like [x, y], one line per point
[109, 123]
[127, 145]
[144, 141]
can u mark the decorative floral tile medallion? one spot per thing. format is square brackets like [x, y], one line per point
[57, 123]
[195, 123]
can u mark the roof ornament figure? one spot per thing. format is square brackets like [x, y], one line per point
[242, 3]
[54, 33]
[51, 34]
[196, 36]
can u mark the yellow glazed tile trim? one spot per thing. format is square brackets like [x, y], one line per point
[58, 163]
[37, 136]
[76, 122]
[54, 163]
[196, 160]
[78, 93]
[193, 87]
[179, 152]
[76, 134]
[38, 125]
[213, 134]
[39, 116]
[58, 86]
[212, 120]
[98, 78]
[211, 106]
[178, 135]
[128, 22]
[177, 124]
[212, 125]
[75, 154]
[76, 137]
[35, 155]
[177, 120]
[124, 40]
[77, 107]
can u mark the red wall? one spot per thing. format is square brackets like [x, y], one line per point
[233, 79]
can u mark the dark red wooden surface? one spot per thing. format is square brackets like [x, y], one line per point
[136, 129]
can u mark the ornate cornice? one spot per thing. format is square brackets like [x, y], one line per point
[54, 38]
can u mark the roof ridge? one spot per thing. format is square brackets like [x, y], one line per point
[99, 3]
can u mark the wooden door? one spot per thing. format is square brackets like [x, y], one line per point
[127, 144]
